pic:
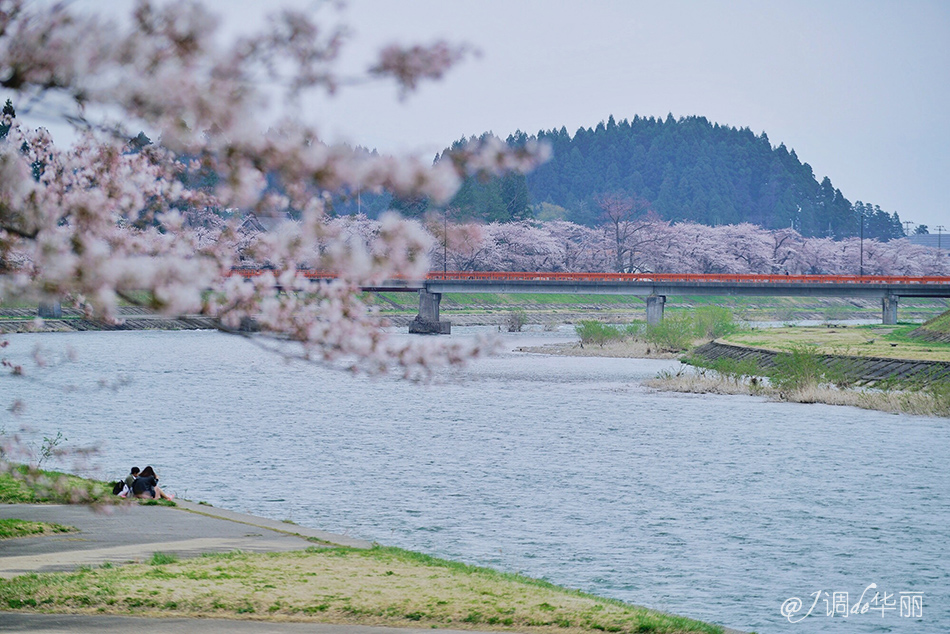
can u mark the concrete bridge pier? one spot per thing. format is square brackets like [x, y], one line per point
[889, 310]
[427, 321]
[50, 310]
[655, 304]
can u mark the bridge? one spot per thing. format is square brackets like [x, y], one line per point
[653, 287]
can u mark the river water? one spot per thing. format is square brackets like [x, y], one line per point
[715, 507]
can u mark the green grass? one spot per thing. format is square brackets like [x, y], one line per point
[147, 502]
[940, 323]
[11, 528]
[160, 559]
[802, 374]
[377, 586]
[23, 485]
[866, 341]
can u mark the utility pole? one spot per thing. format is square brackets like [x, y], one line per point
[907, 224]
[861, 267]
[445, 241]
[940, 230]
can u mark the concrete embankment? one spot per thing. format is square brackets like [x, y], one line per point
[25, 320]
[73, 320]
[866, 369]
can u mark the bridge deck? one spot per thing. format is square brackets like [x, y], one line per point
[645, 284]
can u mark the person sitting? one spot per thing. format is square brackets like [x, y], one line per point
[146, 486]
[130, 479]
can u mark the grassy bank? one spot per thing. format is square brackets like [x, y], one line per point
[892, 342]
[380, 586]
[939, 324]
[802, 375]
[893, 400]
[21, 484]
[936, 329]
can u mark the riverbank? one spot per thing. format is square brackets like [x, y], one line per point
[628, 349]
[897, 342]
[894, 401]
[22, 320]
[198, 561]
[802, 365]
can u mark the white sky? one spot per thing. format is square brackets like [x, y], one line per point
[860, 89]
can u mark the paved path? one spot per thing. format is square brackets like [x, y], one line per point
[89, 624]
[133, 532]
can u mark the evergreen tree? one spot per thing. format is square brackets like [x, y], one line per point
[8, 111]
[691, 169]
[414, 207]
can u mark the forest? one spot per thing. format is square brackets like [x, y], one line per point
[679, 170]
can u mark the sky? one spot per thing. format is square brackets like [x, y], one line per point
[860, 89]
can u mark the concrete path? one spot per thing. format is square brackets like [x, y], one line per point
[89, 624]
[133, 532]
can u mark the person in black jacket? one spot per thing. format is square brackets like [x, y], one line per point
[146, 486]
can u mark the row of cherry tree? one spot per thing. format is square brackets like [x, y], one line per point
[657, 246]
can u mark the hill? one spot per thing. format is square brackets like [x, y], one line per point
[689, 169]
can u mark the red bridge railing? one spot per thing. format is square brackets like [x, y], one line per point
[527, 276]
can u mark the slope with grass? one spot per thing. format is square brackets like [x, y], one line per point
[21, 484]
[890, 342]
[810, 365]
[936, 329]
[379, 586]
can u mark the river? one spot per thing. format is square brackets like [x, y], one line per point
[565, 468]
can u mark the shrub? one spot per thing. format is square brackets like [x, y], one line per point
[517, 318]
[674, 333]
[636, 329]
[735, 369]
[712, 322]
[796, 370]
[591, 331]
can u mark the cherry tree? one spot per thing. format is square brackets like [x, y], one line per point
[105, 219]
[100, 220]
[749, 246]
[524, 246]
[469, 248]
[785, 246]
[579, 248]
[626, 223]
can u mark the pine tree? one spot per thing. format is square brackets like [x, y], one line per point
[8, 111]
